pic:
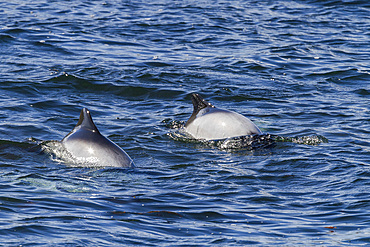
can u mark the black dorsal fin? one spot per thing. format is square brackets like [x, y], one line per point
[86, 121]
[198, 103]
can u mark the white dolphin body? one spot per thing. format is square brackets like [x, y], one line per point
[211, 123]
[88, 146]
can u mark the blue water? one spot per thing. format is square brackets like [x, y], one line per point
[299, 70]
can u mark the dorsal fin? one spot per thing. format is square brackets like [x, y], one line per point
[198, 103]
[86, 121]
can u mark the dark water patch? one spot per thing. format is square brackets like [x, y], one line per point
[329, 3]
[46, 104]
[12, 150]
[141, 93]
[153, 213]
[10, 200]
[16, 89]
[157, 64]
[5, 38]
[362, 92]
[49, 46]
[67, 81]
[18, 31]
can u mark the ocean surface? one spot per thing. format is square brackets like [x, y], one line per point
[300, 70]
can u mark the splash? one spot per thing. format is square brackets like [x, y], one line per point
[173, 124]
[250, 142]
[242, 142]
[60, 155]
[306, 140]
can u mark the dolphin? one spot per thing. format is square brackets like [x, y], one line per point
[211, 123]
[87, 145]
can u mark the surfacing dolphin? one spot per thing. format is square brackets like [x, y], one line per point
[211, 123]
[87, 145]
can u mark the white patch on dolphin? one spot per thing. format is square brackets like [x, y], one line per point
[211, 123]
[88, 146]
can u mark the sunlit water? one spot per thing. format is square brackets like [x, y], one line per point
[299, 70]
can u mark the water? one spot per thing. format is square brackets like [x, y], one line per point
[299, 69]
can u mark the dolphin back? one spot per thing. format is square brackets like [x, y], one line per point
[87, 145]
[211, 123]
